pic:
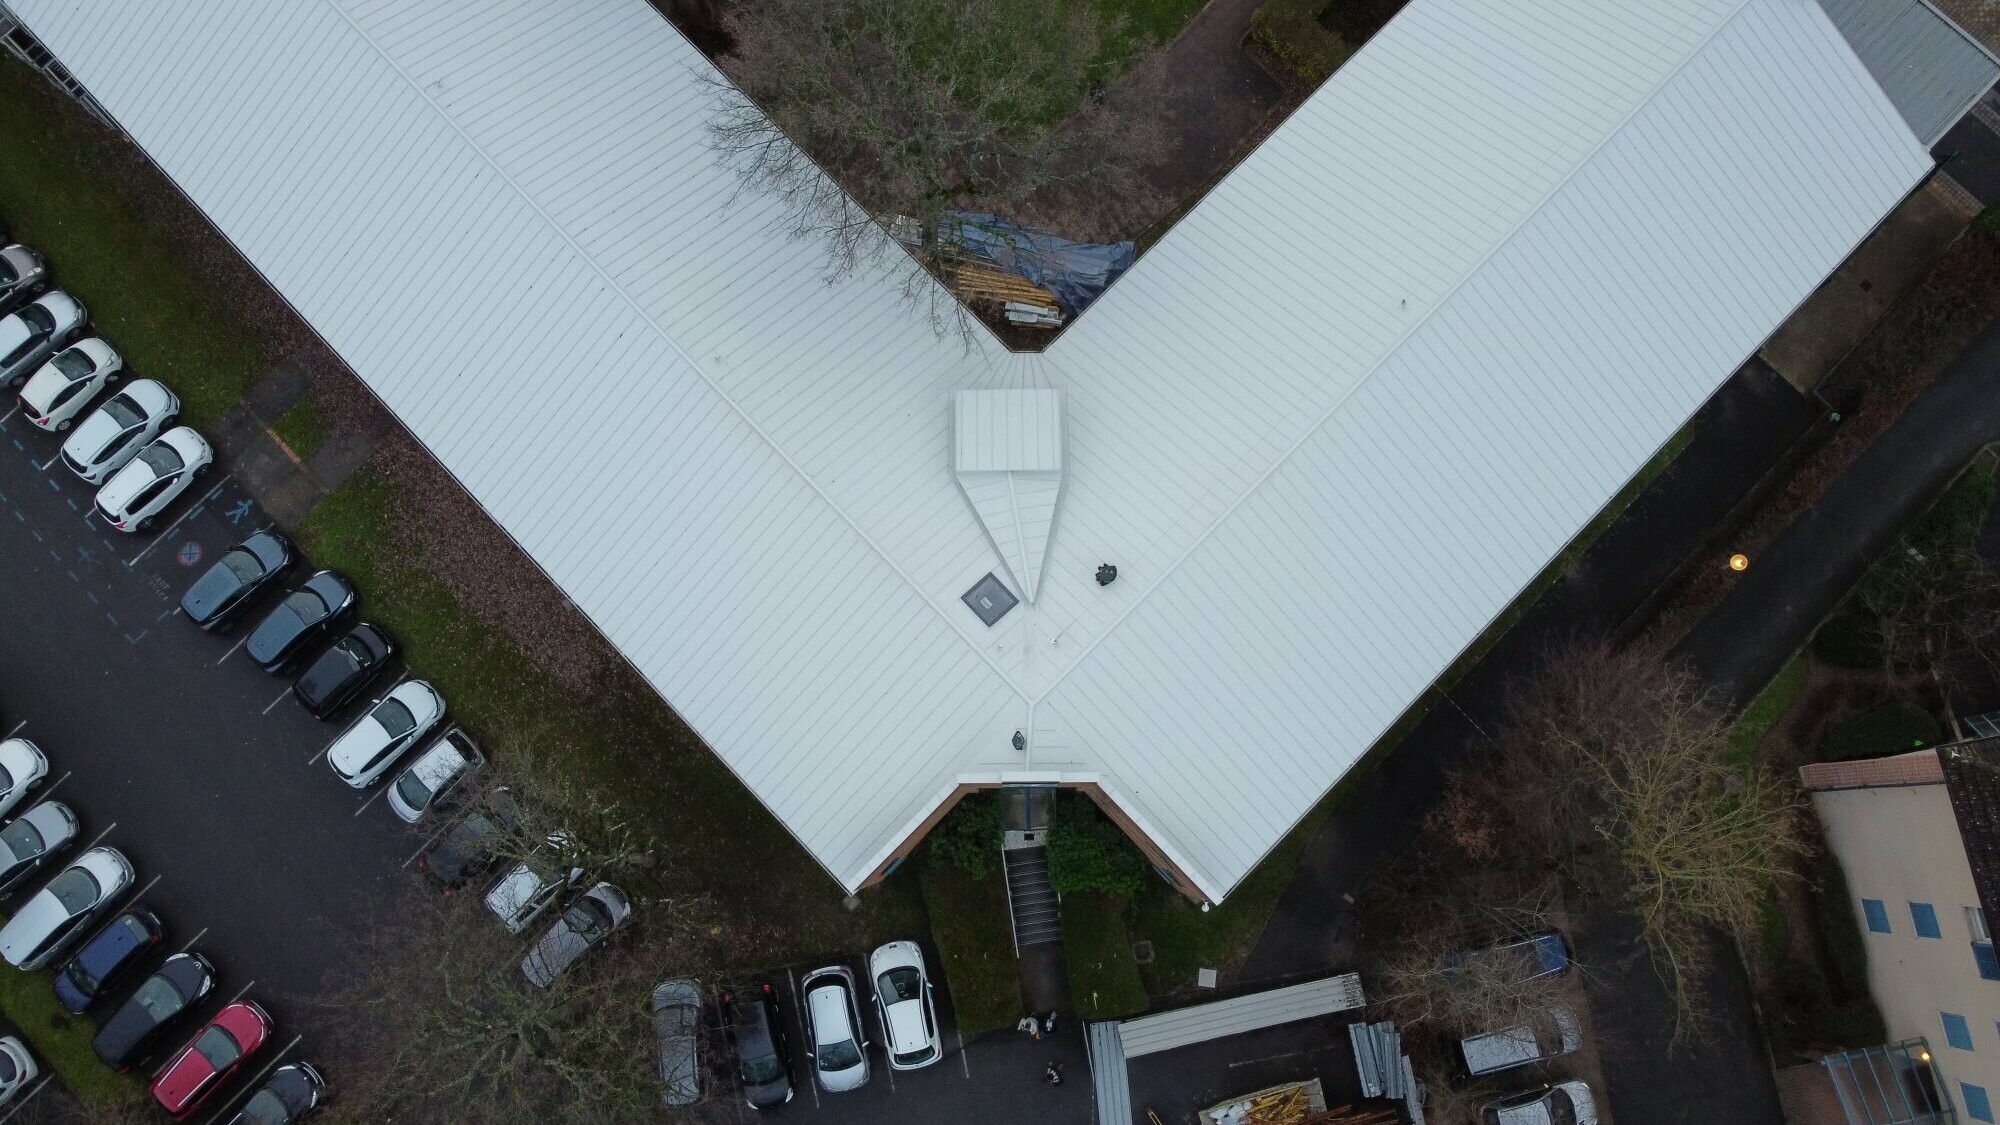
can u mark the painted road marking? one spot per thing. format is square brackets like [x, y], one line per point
[147, 887]
[240, 642]
[195, 938]
[240, 992]
[50, 463]
[31, 1097]
[56, 782]
[379, 790]
[165, 535]
[275, 702]
[17, 728]
[963, 1065]
[101, 836]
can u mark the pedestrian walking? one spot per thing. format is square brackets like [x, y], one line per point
[1049, 1024]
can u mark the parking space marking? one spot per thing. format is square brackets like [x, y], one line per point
[10, 415]
[168, 533]
[18, 1106]
[56, 782]
[275, 702]
[792, 983]
[962, 1064]
[100, 835]
[240, 642]
[149, 886]
[256, 1082]
[321, 754]
[17, 728]
[195, 938]
[46, 465]
[379, 790]
[240, 992]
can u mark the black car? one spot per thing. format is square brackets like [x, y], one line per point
[111, 953]
[292, 1092]
[308, 613]
[344, 669]
[763, 1058]
[468, 849]
[236, 579]
[156, 1005]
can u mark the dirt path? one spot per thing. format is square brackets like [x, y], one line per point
[1217, 100]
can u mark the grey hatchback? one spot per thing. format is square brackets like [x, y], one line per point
[677, 1030]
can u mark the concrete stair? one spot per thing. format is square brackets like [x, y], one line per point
[1032, 901]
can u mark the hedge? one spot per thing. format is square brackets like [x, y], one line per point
[1291, 31]
[1891, 728]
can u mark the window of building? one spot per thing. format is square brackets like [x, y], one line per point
[1987, 961]
[1923, 916]
[1975, 921]
[1956, 1032]
[1977, 1106]
[1877, 915]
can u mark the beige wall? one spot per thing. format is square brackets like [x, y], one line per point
[1901, 845]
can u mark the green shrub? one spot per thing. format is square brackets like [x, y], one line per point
[1988, 220]
[1291, 30]
[1954, 521]
[1850, 639]
[1890, 728]
[1089, 853]
[969, 836]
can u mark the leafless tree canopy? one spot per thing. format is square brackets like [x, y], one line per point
[916, 107]
[1936, 607]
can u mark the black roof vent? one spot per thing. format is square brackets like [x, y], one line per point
[1107, 574]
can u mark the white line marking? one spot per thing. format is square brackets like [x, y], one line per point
[53, 784]
[144, 889]
[17, 728]
[195, 938]
[31, 1097]
[10, 414]
[255, 1082]
[240, 642]
[162, 536]
[812, 1077]
[101, 836]
[275, 702]
[379, 790]
[962, 1064]
[44, 466]
[240, 992]
[321, 754]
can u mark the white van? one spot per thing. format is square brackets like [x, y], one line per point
[1493, 1051]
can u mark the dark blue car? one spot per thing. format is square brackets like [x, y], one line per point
[110, 953]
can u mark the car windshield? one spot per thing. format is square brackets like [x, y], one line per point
[1561, 1112]
[243, 565]
[161, 458]
[762, 1069]
[22, 841]
[305, 605]
[266, 1108]
[158, 997]
[80, 975]
[218, 1047]
[123, 411]
[900, 984]
[412, 790]
[588, 918]
[395, 718]
[7, 1071]
[6, 780]
[74, 364]
[839, 1056]
[38, 320]
[76, 889]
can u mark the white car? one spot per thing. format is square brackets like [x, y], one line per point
[38, 932]
[1565, 1103]
[903, 1002]
[17, 1068]
[115, 432]
[35, 331]
[834, 1041]
[135, 495]
[57, 393]
[589, 920]
[397, 721]
[22, 274]
[518, 897]
[426, 781]
[22, 767]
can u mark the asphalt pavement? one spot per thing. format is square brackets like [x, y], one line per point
[173, 747]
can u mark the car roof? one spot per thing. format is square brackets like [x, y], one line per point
[906, 1025]
[827, 1002]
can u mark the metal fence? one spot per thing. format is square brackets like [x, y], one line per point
[22, 44]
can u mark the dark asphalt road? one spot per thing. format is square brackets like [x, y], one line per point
[175, 748]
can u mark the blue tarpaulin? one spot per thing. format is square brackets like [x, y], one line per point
[1076, 272]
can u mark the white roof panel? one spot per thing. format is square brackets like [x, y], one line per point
[1326, 429]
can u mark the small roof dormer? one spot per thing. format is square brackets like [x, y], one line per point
[1007, 452]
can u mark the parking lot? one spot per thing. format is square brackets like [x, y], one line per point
[174, 748]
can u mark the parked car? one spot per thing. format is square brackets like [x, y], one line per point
[677, 1033]
[519, 896]
[343, 670]
[428, 780]
[904, 1005]
[215, 1053]
[160, 1002]
[763, 1058]
[115, 432]
[292, 1091]
[1493, 1051]
[320, 605]
[22, 767]
[17, 1068]
[32, 840]
[23, 273]
[587, 920]
[37, 330]
[468, 849]
[228, 587]
[111, 954]
[1565, 1103]
[135, 495]
[59, 390]
[1523, 959]
[39, 931]
[397, 721]
[834, 1038]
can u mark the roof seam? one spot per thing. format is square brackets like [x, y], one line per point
[728, 399]
[1582, 162]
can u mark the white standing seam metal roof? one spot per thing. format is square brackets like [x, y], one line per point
[1932, 70]
[1008, 452]
[1326, 430]
[1200, 1023]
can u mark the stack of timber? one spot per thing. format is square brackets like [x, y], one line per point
[1020, 300]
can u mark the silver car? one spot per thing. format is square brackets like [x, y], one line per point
[38, 933]
[677, 1028]
[531, 886]
[428, 780]
[36, 331]
[32, 840]
[835, 1040]
[1565, 1103]
[588, 920]
[22, 275]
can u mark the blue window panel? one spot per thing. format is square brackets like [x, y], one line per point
[1977, 1106]
[1956, 1032]
[1986, 959]
[1924, 918]
[1877, 915]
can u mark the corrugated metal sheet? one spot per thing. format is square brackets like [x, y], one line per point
[1930, 68]
[1109, 1079]
[1326, 429]
[1200, 1023]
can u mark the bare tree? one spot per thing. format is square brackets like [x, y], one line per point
[1936, 606]
[917, 107]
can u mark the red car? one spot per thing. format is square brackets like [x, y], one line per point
[216, 1051]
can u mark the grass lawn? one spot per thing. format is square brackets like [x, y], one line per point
[68, 188]
[301, 430]
[975, 941]
[1103, 977]
[1145, 22]
[1764, 711]
[778, 904]
[61, 1042]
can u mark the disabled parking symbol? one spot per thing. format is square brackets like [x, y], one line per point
[189, 554]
